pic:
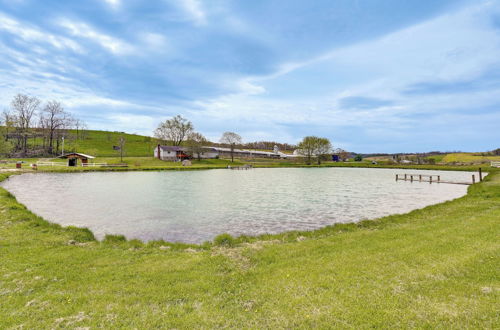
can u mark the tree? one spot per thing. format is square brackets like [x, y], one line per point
[24, 107]
[231, 139]
[358, 158]
[313, 146]
[195, 143]
[174, 130]
[121, 146]
[307, 147]
[53, 120]
[323, 147]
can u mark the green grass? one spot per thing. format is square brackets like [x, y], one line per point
[437, 267]
[469, 158]
[100, 143]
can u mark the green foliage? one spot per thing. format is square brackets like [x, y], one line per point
[224, 240]
[358, 158]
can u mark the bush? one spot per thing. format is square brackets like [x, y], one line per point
[358, 158]
[224, 240]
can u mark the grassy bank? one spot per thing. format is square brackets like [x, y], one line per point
[435, 267]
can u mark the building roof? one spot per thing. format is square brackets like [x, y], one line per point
[77, 154]
[171, 148]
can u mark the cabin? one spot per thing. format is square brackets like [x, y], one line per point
[73, 158]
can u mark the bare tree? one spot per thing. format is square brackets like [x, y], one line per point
[174, 130]
[231, 139]
[53, 120]
[121, 146]
[24, 107]
[195, 143]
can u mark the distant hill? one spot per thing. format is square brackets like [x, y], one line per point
[100, 143]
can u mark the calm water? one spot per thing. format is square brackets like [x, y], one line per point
[194, 206]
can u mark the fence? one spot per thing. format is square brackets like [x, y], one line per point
[66, 164]
[495, 164]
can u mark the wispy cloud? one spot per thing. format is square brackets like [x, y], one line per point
[32, 34]
[83, 30]
[194, 10]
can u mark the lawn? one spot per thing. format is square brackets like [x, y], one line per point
[435, 267]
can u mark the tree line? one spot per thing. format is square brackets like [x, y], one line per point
[180, 131]
[33, 128]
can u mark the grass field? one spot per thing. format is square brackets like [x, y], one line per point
[469, 158]
[432, 268]
[100, 143]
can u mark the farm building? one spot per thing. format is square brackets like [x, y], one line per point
[75, 156]
[174, 153]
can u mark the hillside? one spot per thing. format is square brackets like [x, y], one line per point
[100, 143]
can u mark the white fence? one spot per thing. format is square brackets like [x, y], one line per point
[495, 164]
[51, 164]
[66, 164]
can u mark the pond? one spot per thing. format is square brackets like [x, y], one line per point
[195, 206]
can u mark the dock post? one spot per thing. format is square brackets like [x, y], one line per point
[396, 177]
[439, 178]
[480, 175]
[430, 179]
[473, 179]
[420, 178]
[405, 177]
[411, 178]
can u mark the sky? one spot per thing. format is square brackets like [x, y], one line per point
[370, 75]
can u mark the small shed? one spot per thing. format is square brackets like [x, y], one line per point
[74, 156]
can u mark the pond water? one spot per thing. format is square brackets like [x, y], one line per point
[195, 206]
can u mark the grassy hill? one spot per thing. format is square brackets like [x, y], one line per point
[100, 143]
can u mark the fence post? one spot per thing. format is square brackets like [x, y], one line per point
[473, 179]
[439, 178]
[405, 177]
[411, 178]
[430, 179]
[396, 177]
[420, 178]
[480, 175]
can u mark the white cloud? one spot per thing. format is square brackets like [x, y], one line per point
[83, 30]
[113, 3]
[195, 10]
[32, 34]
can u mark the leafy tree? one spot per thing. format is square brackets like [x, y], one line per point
[358, 158]
[174, 130]
[322, 148]
[231, 139]
[313, 146]
[307, 147]
[195, 143]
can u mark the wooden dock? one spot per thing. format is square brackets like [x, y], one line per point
[432, 178]
[244, 167]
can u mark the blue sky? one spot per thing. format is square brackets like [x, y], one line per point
[371, 75]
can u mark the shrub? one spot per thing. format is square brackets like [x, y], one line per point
[358, 158]
[224, 240]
